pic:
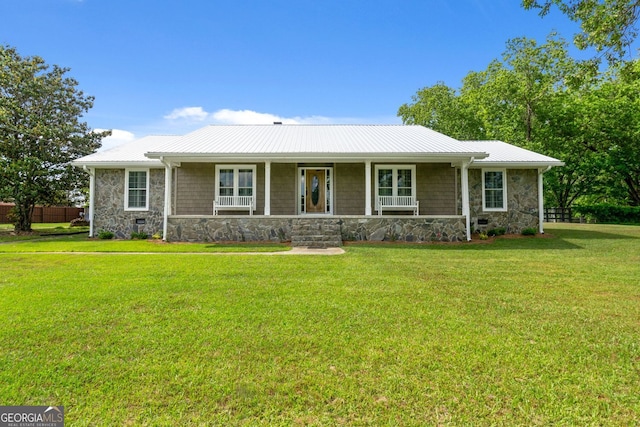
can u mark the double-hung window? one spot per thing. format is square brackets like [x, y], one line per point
[395, 180]
[136, 195]
[236, 181]
[494, 189]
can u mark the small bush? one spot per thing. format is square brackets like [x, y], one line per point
[483, 236]
[157, 236]
[497, 231]
[139, 235]
[529, 231]
[79, 222]
[105, 235]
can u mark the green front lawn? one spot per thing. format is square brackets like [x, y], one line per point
[62, 238]
[40, 231]
[521, 331]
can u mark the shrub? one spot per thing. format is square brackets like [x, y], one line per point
[497, 231]
[483, 235]
[105, 235]
[529, 231]
[604, 212]
[157, 236]
[139, 235]
[79, 222]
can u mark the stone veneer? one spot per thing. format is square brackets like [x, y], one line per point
[278, 228]
[522, 199]
[109, 204]
[522, 202]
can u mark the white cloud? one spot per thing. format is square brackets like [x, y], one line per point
[240, 117]
[187, 113]
[118, 137]
[245, 117]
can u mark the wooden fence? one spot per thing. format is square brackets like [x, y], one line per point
[46, 214]
[560, 215]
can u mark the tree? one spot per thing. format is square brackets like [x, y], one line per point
[529, 99]
[440, 108]
[566, 134]
[607, 25]
[40, 132]
[614, 122]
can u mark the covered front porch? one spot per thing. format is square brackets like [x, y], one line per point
[342, 201]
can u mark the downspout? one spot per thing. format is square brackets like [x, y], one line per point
[167, 197]
[466, 211]
[92, 192]
[541, 199]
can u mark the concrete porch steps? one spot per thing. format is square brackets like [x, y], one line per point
[316, 233]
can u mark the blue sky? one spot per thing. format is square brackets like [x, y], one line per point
[168, 67]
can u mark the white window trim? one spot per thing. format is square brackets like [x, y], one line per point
[126, 190]
[236, 178]
[395, 180]
[504, 191]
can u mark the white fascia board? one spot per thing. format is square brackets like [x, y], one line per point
[120, 165]
[514, 165]
[317, 157]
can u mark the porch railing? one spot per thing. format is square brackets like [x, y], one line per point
[396, 203]
[233, 203]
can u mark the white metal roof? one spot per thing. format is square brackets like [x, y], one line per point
[129, 154]
[295, 141]
[320, 142]
[503, 154]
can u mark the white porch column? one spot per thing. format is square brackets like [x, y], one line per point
[541, 199]
[267, 187]
[367, 187]
[464, 172]
[92, 198]
[167, 198]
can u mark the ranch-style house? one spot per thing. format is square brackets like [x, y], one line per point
[314, 185]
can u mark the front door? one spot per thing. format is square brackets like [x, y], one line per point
[315, 191]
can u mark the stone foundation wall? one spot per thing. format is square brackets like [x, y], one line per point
[109, 204]
[403, 229]
[278, 229]
[522, 202]
[229, 229]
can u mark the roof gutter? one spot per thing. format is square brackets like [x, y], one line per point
[514, 165]
[302, 157]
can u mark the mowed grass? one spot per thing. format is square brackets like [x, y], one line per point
[526, 331]
[40, 231]
[62, 238]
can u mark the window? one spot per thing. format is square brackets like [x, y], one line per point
[494, 189]
[136, 196]
[392, 180]
[236, 180]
